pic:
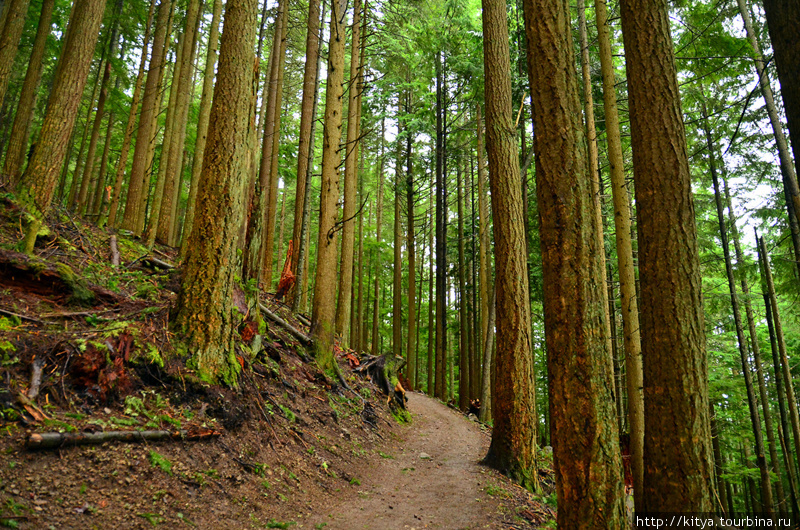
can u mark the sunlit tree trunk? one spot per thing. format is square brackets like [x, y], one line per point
[678, 460]
[204, 316]
[513, 446]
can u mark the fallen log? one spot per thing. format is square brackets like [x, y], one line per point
[114, 251]
[53, 440]
[36, 378]
[304, 339]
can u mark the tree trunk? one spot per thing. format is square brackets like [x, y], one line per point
[137, 185]
[378, 241]
[11, 26]
[463, 349]
[202, 123]
[204, 314]
[627, 275]
[513, 446]
[350, 182]
[324, 310]
[583, 428]
[41, 176]
[785, 368]
[483, 255]
[441, 238]
[411, 346]
[783, 19]
[305, 138]
[431, 326]
[790, 186]
[755, 420]
[397, 264]
[18, 141]
[678, 460]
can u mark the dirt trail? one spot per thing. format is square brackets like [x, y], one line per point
[431, 478]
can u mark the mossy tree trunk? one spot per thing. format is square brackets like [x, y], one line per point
[204, 316]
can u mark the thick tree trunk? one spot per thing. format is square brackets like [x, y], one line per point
[678, 471]
[484, 240]
[41, 176]
[324, 310]
[513, 447]
[627, 275]
[18, 141]
[583, 428]
[202, 123]
[441, 238]
[204, 314]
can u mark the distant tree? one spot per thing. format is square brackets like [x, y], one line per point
[204, 316]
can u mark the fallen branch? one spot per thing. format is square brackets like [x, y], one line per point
[53, 440]
[157, 263]
[31, 407]
[114, 252]
[21, 317]
[304, 339]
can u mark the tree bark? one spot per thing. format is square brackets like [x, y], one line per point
[18, 141]
[411, 345]
[204, 314]
[513, 446]
[397, 264]
[11, 26]
[441, 239]
[324, 309]
[41, 176]
[202, 123]
[378, 241]
[627, 275]
[463, 349]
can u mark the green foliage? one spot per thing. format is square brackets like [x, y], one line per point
[272, 523]
[152, 518]
[160, 461]
[288, 414]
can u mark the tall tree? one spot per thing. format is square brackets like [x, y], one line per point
[583, 422]
[441, 238]
[513, 447]
[627, 277]
[18, 141]
[350, 182]
[204, 313]
[324, 309]
[40, 178]
[12, 23]
[678, 457]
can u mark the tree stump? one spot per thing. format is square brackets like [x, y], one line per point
[382, 370]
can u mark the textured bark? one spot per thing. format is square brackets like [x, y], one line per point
[11, 26]
[484, 252]
[305, 138]
[513, 447]
[41, 176]
[350, 183]
[677, 437]
[488, 367]
[583, 429]
[202, 123]
[147, 121]
[18, 141]
[783, 19]
[791, 190]
[324, 308]
[204, 314]
[755, 420]
[627, 275]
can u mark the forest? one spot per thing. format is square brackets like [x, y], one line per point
[578, 220]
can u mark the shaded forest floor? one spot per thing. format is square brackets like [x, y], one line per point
[286, 449]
